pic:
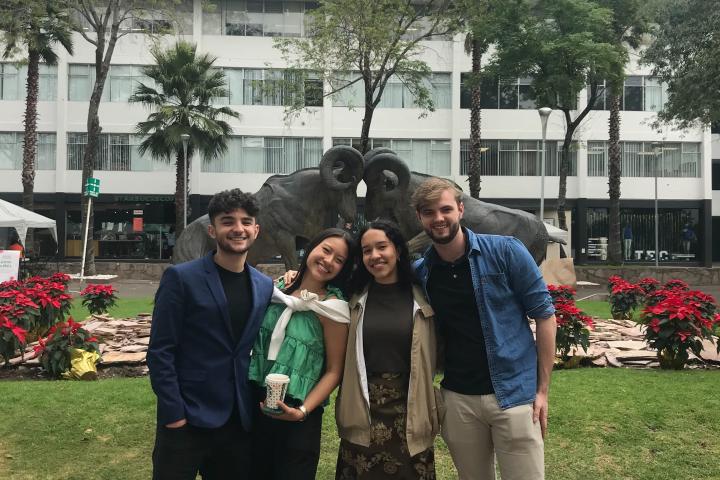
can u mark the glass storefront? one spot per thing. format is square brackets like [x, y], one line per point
[679, 237]
[125, 230]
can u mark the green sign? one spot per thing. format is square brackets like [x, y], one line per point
[92, 187]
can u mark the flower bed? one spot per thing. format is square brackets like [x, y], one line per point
[675, 319]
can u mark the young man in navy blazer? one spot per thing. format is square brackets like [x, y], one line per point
[207, 314]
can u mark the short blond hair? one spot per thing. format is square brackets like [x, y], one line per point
[431, 190]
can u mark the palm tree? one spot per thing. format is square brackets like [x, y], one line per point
[35, 26]
[483, 18]
[185, 83]
[628, 26]
[476, 48]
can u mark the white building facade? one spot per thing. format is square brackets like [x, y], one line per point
[135, 208]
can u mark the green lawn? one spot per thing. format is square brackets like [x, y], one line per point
[126, 307]
[604, 424]
[595, 308]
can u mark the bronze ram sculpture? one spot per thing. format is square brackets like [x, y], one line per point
[390, 185]
[291, 206]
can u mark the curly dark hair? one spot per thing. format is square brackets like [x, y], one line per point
[341, 279]
[230, 200]
[361, 276]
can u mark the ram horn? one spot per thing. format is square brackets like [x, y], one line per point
[376, 151]
[381, 162]
[341, 167]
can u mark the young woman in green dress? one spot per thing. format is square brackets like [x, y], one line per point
[388, 411]
[303, 335]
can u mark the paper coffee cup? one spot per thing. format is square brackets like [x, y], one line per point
[276, 384]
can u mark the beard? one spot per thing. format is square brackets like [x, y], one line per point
[227, 246]
[453, 230]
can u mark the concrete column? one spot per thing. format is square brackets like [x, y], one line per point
[61, 107]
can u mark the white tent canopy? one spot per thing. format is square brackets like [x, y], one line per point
[20, 219]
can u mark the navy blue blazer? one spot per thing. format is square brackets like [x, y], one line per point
[196, 370]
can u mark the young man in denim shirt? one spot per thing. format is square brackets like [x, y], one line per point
[483, 289]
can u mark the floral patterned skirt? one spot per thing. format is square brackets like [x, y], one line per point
[387, 456]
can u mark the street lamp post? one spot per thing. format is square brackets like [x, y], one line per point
[544, 113]
[185, 137]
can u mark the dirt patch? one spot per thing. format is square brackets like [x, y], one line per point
[24, 372]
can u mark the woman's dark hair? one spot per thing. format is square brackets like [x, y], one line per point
[341, 279]
[361, 277]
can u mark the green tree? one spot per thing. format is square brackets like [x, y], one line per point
[685, 54]
[32, 28]
[628, 25]
[373, 39]
[185, 83]
[484, 19]
[99, 22]
[563, 46]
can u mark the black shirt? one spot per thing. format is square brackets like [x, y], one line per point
[451, 295]
[239, 297]
[388, 328]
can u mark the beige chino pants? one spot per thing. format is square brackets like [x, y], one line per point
[475, 427]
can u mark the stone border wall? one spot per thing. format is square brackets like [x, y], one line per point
[694, 276]
[141, 270]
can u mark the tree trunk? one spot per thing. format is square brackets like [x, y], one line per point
[614, 175]
[102, 66]
[475, 117]
[91, 148]
[30, 138]
[180, 193]
[563, 172]
[365, 131]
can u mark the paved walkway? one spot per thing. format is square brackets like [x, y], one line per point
[125, 288]
[147, 288]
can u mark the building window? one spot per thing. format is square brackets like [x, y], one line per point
[396, 93]
[639, 94]
[13, 82]
[267, 155]
[11, 151]
[509, 94]
[116, 152]
[423, 156]
[263, 18]
[518, 157]
[121, 82]
[640, 159]
[255, 86]
[679, 237]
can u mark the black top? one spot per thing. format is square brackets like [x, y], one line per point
[388, 328]
[239, 298]
[451, 295]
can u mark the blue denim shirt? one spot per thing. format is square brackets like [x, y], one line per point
[508, 288]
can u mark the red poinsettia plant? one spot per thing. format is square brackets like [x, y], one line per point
[19, 308]
[676, 322]
[624, 297]
[51, 296]
[573, 326]
[12, 338]
[98, 299]
[648, 285]
[54, 350]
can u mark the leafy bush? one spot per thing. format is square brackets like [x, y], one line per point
[573, 326]
[624, 297]
[54, 350]
[676, 321]
[98, 298]
[12, 338]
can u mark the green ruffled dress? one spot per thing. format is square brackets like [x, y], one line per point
[302, 353]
